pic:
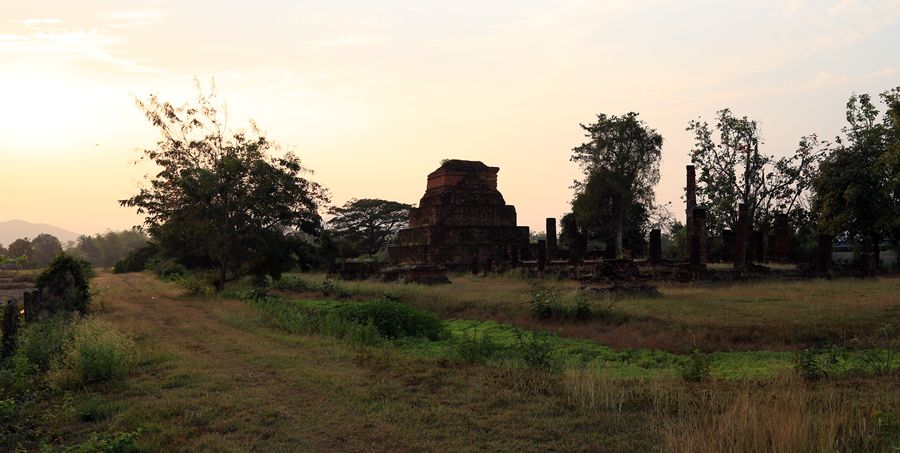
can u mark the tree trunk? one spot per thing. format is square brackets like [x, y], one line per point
[220, 283]
[620, 223]
[876, 251]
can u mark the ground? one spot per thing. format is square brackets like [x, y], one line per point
[217, 374]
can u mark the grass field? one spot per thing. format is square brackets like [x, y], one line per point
[221, 374]
[781, 315]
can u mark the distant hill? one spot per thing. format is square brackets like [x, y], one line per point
[17, 229]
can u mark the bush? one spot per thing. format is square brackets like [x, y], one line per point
[331, 288]
[137, 260]
[40, 345]
[194, 285]
[64, 284]
[393, 319]
[545, 302]
[293, 283]
[538, 351]
[97, 352]
[474, 349]
[696, 368]
[815, 364]
[166, 268]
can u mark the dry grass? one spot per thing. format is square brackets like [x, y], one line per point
[781, 415]
[214, 375]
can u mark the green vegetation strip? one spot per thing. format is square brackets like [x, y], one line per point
[420, 334]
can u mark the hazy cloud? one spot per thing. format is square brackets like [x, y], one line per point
[37, 21]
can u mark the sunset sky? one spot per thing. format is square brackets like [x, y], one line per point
[373, 94]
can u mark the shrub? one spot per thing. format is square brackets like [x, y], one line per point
[64, 284]
[137, 260]
[96, 353]
[393, 319]
[537, 350]
[166, 268]
[695, 368]
[293, 283]
[194, 285]
[40, 344]
[331, 288]
[815, 364]
[108, 442]
[474, 349]
[545, 302]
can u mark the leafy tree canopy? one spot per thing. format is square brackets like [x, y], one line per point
[224, 199]
[731, 170]
[620, 162]
[369, 224]
[857, 189]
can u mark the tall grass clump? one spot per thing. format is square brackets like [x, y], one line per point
[473, 348]
[364, 322]
[97, 352]
[784, 416]
[39, 346]
[393, 319]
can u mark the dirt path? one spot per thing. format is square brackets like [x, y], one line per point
[214, 377]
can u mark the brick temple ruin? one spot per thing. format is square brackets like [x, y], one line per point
[462, 221]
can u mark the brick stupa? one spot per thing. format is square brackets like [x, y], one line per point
[462, 218]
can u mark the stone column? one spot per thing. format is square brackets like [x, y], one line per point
[690, 200]
[551, 239]
[698, 238]
[655, 246]
[542, 255]
[824, 253]
[700, 232]
[727, 245]
[782, 246]
[740, 240]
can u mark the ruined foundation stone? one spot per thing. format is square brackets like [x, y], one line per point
[727, 245]
[740, 240]
[690, 198]
[461, 220]
[551, 239]
[699, 230]
[655, 246]
[755, 246]
[782, 237]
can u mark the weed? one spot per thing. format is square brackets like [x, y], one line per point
[545, 302]
[97, 352]
[106, 442]
[695, 368]
[472, 348]
[94, 409]
[538, 350]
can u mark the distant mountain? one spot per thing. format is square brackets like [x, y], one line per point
[17, 229]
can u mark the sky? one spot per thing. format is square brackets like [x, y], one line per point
[373, 95]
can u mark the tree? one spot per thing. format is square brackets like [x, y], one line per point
[856, 189]
[106, 249]
[222, 199]
[732, 170]
[620, 162]
[370, 224]
[44, 248]
[20, 248]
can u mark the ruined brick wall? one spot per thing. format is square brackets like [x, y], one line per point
[461, 218]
